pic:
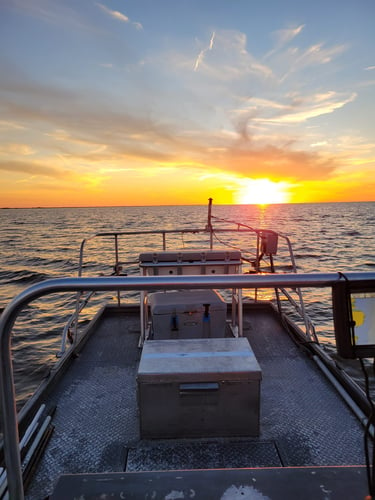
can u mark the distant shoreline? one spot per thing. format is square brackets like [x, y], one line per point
[187, 205]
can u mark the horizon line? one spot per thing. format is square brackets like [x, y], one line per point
[186, 205]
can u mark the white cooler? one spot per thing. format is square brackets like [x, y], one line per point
[187, 314]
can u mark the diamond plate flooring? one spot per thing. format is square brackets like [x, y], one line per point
[170, 455]
[303, 420]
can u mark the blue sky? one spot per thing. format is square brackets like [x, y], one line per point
[175, 101]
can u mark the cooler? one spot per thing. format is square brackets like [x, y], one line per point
[191, 262]
[187, 314]
[198, 388]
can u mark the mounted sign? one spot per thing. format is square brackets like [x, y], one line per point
[354, 319]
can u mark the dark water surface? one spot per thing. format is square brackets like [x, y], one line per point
[38, 244]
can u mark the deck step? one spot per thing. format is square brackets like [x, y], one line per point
[202, 454]
[292, 483]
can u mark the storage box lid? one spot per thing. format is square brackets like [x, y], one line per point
[185, 301]
[191, 256]
[198, 360]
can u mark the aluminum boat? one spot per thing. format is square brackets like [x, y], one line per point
[205, 379]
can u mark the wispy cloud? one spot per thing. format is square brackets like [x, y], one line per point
[106, 65]
[54, 13]
[38, 169]
[283, 37]
[119, 16]
[319, 54]
[230, 60]
[89, 138]
[294, 108]
[297, 60]
[277, 163]
[10, 125]
[114, 13]
[84, 144]
[314, 107]
[17, 149]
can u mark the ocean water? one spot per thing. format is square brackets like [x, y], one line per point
[43, 243]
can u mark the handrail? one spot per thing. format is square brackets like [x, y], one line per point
[139, 283]
[72, 321]
[115, 234]
[208, 229]
[258, 231]
[310, 330]
[241, 228]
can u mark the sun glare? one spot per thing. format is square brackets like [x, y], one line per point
[262, 192]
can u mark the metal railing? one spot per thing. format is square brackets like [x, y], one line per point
[212, 232]
[72, 322]
[243, 229]
[136, 283]
[239, 229]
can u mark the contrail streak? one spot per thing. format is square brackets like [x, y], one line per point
[201, 54]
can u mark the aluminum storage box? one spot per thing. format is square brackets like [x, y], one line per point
[187, 314]
[191, 262]
[198, 388]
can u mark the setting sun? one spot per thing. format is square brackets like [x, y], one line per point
[262, 192]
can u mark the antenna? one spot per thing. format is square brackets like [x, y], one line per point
[209, 224]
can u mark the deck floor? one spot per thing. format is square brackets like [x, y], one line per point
[303, 420]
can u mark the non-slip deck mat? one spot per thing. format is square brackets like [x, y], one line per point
[172, 455]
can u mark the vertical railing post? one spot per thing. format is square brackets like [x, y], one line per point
[78, 294]
[116, 268]
[9, 413]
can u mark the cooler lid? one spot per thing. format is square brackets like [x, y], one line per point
[185, 301]
[184, 256]
[198, 360]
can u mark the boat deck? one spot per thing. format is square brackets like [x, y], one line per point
[303, 420]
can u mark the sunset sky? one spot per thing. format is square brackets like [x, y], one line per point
[143, 102]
